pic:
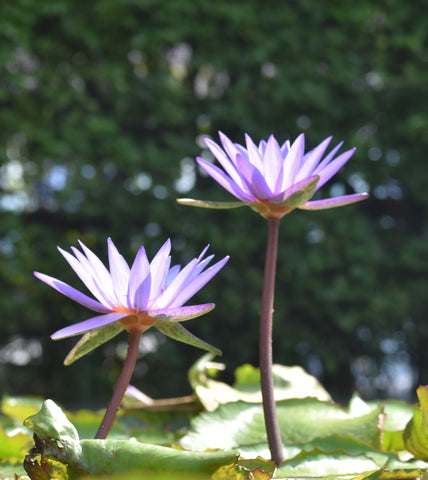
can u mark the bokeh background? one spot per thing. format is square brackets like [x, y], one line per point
[103, 108]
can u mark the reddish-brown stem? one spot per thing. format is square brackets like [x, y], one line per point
[265, 346]
[122, 384]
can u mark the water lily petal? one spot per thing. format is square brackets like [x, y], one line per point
[139, 282]
[312, 158]
[329, 170]
[87, 325]
[86, 276]
[159, 268]
[334, 202]
[119, 272]
[253, 179]
[225, 181]
[197, 283]
[72, 293]
[225, 161]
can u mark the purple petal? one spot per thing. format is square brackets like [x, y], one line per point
[230, 148]
[329, 170]
[327, 159]
[173, 272]
[72, 293]
[312, 158]
[119, 271]
[254, 179]
[91, 324]
[182, 313]
[159, 268]
[285, 148]
[197, 283]
[225, 181]
[254, 156]
[176, 285]
[274, 162]
[84, 271]
[292, 162]
[139, 281]
[101, 275]
[225, 162]
[334, 202]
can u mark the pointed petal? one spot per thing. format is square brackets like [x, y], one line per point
[225, 161]
[159, 268]
[182, 313]
[292, 162]
[273, 164]
[178, 332]
[210, 204]
[253, 155]
[231, 149]
[197, 283]
[173, 272]
[139, 282]
[253, 179]
[327, 159]
[224, 180]
[334, 202]
[72, 293]
[91, 324]
[119, 271]
[329, 170]
[85, 272]
[285, 148]
[175, 286]
[92, 340]
[102, 276]
[103, 293]
[312, 158]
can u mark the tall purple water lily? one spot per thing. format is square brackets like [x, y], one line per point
[274, 179]
[133, 299]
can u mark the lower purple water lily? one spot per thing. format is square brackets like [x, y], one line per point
[134, 298]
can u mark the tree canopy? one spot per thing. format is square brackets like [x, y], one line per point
[103, 108]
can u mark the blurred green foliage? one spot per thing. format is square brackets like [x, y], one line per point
[103, 106]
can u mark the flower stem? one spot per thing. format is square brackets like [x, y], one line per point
[122, 384]
[265, 347]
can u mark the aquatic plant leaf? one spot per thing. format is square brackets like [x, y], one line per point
[416, 432]
[57, 446]
[289, 382]
[92, 340]
[300, 420]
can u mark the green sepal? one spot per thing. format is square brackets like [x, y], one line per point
[93, 339]
[211, 204]
[303, 194]
[178, 332]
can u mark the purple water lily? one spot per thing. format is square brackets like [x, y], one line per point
[274, 179]
[135, 297]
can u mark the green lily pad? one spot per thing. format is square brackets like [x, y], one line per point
[289, 382]
[300, 420]
[60, 453]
